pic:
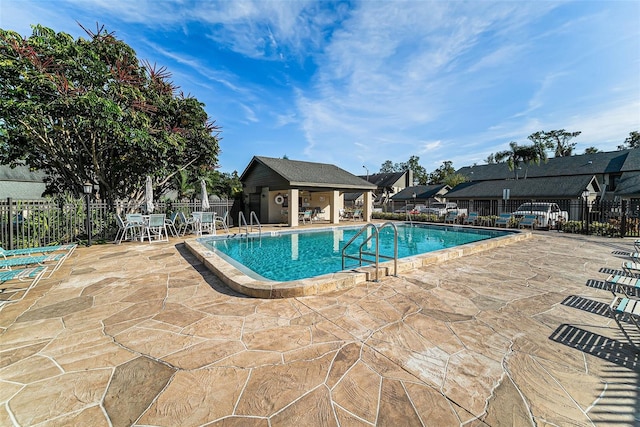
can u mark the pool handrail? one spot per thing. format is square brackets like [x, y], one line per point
[242, 219]
[376, 254]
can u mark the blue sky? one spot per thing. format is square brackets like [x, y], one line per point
[358, 83]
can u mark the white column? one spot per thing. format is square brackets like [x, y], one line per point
[293, 207]
[368, 206]
[334, 206]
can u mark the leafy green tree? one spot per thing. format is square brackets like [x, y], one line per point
[454, 179]
[491, 159]
[88, 110]
[387, 167]
[591, 150]
[440, 175]
[420, 174]
[557, 140]
[632, 141]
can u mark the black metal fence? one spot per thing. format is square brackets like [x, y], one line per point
[31, 223]
[611, 218]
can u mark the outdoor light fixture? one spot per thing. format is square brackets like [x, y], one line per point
[87, 189]
[367, 169]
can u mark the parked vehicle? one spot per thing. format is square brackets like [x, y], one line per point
[441, 209]
[548, 214]
[404, 209]
[418, 209]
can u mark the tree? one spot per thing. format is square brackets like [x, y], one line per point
[491, 159]
[557, 140]
[439, 175]
[513, 157]
[454, 179]
[632, 141]
[419, 172]
[88, 110]
[387, 167]
[591, 150]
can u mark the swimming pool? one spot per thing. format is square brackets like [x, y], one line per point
[294, 255]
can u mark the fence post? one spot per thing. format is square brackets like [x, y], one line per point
[10, 221]
[623, 219]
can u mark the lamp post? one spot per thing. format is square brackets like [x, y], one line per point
[365, 168]
[87, 189]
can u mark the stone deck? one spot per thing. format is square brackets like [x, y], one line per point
[140, 334]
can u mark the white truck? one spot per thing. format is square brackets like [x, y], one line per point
[547, 214]
[441, 209]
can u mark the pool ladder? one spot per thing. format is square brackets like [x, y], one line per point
[242, 220]
[362, 252]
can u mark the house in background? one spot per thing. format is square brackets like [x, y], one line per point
[387, 185]
[420, 194]
[277, 190]
[607, 176]
[20, 183]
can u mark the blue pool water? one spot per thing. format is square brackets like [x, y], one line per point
[296, 255]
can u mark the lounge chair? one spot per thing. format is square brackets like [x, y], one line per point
[471, 219]
[631, 268]
[451, 217]
[627, 285]
[38, 250]
[528, 221]
[24, 279]
[357, 214]
[51, 260]
[626, 307]
[503, 219]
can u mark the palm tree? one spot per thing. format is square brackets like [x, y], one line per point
[513, 157]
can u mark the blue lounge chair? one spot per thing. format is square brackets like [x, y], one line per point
[472, 218]
[503, 219]
[38, 250]
[630, 286]
[631, 268]
[451, 217]
[626, 307]
[528, 221]
[51, 260]
[12, 281]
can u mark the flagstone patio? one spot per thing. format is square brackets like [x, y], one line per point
[144, 334]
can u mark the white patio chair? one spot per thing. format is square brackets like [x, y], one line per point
[126, 227]
[221, 221]
[186, 224]
[156, 228]
[171, 224]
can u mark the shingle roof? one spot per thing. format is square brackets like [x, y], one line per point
[20, 173]
[21, 183]
[309, 174]
[585, 164]
[422, 192]
[384, 179]
[629, 184]
[553, 187]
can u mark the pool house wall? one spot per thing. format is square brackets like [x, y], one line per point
[278, 189]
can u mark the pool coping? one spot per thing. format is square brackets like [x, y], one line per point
[240, 282]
